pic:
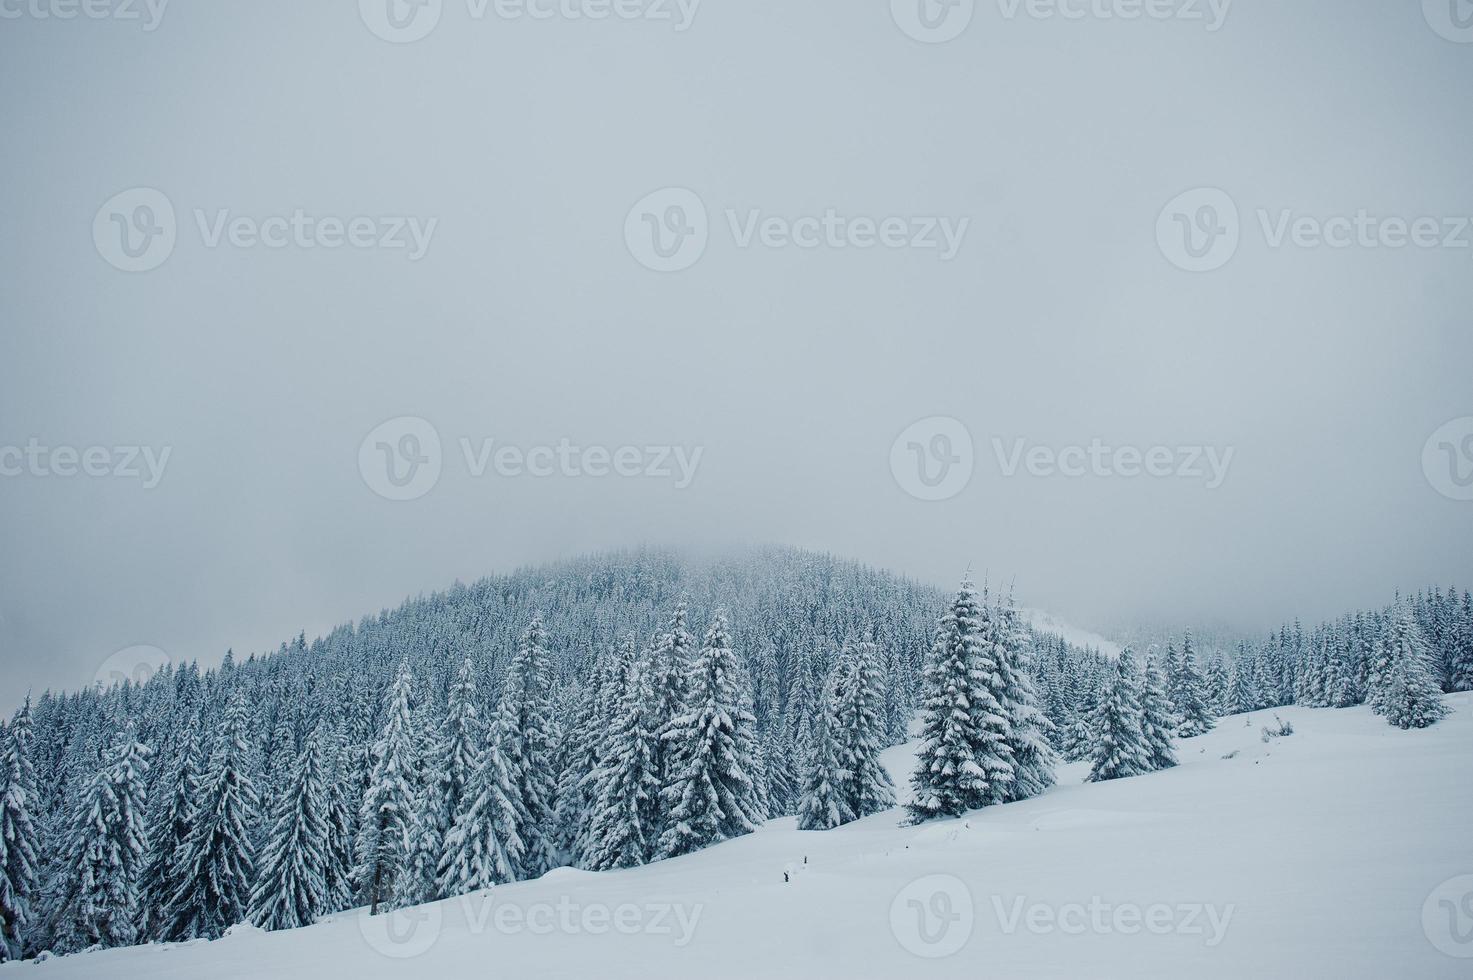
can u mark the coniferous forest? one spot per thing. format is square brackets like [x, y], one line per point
[605, 713]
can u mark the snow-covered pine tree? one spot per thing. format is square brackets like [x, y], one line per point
[456, 750]
[964, 734]
[857, 729]
[484, 847]
[1156, 717]
[1033, 757]
[626, 812]
[1218, 687]
[710, 796]
[783, 787]
[216, 863]
[1461, 668]
[579, 761]
[389, 810]
[170, 827]
[1406, 689]
[670, 668]
[1120, 748]
[416, 879]
[291, 889]
[822, 804]
[99, 900]
[19, 840]
[528, 746]
[1188, 695]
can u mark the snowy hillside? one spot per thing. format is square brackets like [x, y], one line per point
[1309, 855]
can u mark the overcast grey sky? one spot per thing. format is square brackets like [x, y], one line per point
[1061, 155]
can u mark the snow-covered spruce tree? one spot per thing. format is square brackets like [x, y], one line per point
[291, 890]
[456, 754]
[170, 827]
[626, 811]
[1406, 689]
[1156, 717]
[19, 839]
[1461, 667]
[857, 729]
[1078, 740]
[965, 748]
[579, 761]
[216, 864]
[822, 804]
[1218, 687]
[416, 879]
[99, 903]
[710, 796]
[1120, 748]
[389, 810]
[670, 667]
[484, 847]
[528, 746]
[1188, 694]
[1029, 730]
[783, 787]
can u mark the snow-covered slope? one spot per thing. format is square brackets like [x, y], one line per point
[1046, 622]
[1313, 855]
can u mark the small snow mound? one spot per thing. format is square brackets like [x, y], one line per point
[567, 874]
[241, 930]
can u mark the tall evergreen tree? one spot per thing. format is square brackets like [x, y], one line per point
[19, 840]
[99, 902]
[857, 729]
[170, 827]
[1033, 757]
[1120, 748]
[1188, 692]
[710, 796]
[1406, 689]
[626, 815]
[387, 817]
[964, 733]
[1156, 717]
[291, 890]
[484, 847]
[528, 747]
[216, 863]
[823, 804]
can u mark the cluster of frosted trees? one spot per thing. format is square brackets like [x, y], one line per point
[461, 741]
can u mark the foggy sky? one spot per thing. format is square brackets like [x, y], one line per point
[528, 320]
